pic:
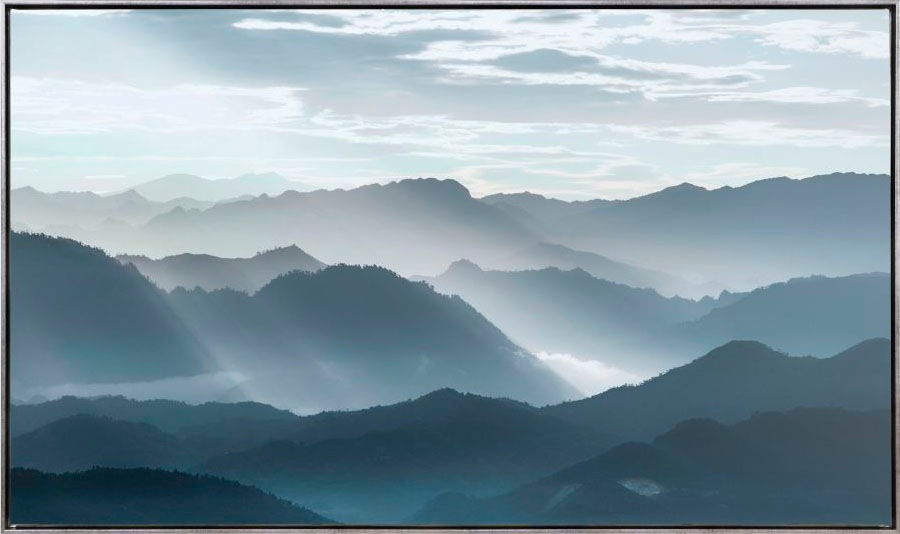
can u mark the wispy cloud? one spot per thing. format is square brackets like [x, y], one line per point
[50, 106]
[754, 133]
[789, 95]
[588, 376]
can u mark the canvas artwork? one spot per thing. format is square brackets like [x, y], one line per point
[407, 266]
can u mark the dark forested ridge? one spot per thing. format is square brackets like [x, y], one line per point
[443, 441]
[82, 316]
[104, 496]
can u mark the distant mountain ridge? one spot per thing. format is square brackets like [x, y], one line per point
[544, 255]
[814, 315]
[36, 210]
[749, 235]
[731, 237]
[216, 190]
[167, 415]
[377, 224]
[211, 272]
[735, 380]
[557, 311]
[572, 312]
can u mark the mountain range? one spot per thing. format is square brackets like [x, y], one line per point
[67, 211]
[814, 315]
[794, 468]
[342, 337]
[734, 381]
[571, 312]
[211, 272]
[382, 475]
[556, 311]
[744, 236]
[174, 186]
[351, 337]
[382, 464]
[731, 237]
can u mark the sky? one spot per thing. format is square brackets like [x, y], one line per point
[572, 104]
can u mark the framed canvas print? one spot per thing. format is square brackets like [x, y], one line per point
[480, 266]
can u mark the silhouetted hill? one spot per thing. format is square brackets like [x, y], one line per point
[349, 337]
[804, 467]
[744, 236]
[734, 381]
[443, 441]
[543, 255]
[212, 272]
[66, 210]
[145, 497]
[815, 315]
[82, 316]
[167, 415]
[80, 442]
[558, 311]
[188, 185]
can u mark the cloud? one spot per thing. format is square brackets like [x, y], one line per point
[588, 376]
[50, 106]
[752, 133]
[819, 36]
[585, 31]
[790, 95]
[569, 48]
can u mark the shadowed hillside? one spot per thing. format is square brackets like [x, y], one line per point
[145, 497]
[82, 316]
[212, 272]
[803, 467]
[734, 381]
[350, 337]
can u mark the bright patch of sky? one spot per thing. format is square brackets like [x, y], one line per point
[568, 103]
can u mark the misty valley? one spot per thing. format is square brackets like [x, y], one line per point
[240, 352]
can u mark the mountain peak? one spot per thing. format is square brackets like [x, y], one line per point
[447, 186]
[277, 251]
[442, 394]
[463, 266]
[685, 187]
[738, 351]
